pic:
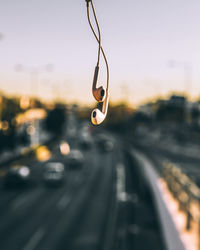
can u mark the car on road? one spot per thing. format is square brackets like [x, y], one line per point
[85, 139]
[54, 173]
[75, 159]
[104, 143]
[17, 176]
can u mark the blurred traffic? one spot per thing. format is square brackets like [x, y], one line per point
[65, 183]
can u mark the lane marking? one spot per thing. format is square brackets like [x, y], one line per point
[26, 199]
[33, 242]
[121, 180]
[64, 202]
[86, 240]
[19, 201]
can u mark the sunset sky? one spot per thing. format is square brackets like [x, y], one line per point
[153, 48]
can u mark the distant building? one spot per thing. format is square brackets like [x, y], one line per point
[177, 100]
[176, 109]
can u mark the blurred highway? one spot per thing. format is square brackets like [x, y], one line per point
[185, 156]
[30, 216]
[100, 204]
[173, 168]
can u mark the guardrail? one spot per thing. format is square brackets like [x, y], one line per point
[186, 192]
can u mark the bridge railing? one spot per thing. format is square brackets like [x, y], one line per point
[186, 192]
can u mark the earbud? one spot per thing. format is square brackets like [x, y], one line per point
[98, 93]
[97, 116]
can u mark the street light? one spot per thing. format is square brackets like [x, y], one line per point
[33, 128]
[34, 76]
[55, 90]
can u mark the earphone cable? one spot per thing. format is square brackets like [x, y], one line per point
[98, 40]
[99, 32]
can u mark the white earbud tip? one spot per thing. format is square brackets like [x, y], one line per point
[97, 117]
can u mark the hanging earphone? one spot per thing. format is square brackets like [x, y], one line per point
[97, 116]
[100, 94]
